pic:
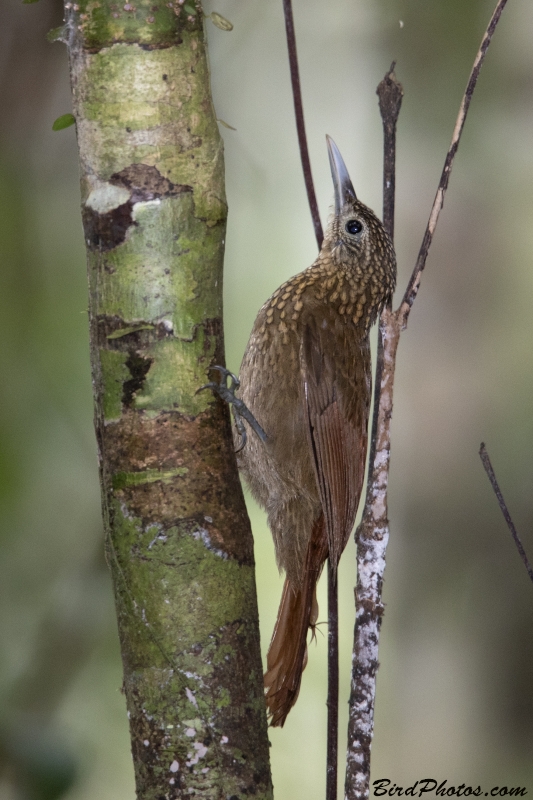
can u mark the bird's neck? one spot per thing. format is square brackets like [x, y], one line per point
[353, 292]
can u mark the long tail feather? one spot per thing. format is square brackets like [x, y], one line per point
[298, 611]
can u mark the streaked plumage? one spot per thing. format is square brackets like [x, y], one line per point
[306, 378]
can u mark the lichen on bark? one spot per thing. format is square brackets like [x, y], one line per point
[177, 535]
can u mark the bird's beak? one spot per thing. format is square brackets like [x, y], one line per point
[344, 191]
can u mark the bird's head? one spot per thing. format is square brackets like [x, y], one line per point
[355, 238]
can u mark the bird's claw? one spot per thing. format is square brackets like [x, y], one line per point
[239, 409]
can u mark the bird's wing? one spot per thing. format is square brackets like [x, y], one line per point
[335, 366]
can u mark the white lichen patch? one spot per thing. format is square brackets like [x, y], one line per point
[142, 205]
[193, 675]
[202, 534]
[126, 513]
[379, 505]
[104, 197]
[200, 748]
[190, 697]
[381, 459]
[161, 537]
[194, 758]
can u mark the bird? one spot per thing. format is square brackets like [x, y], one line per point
[305, 380]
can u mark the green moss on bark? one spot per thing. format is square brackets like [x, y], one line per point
[178, 538]
[105, 22]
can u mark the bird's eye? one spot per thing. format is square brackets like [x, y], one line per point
[353, 226]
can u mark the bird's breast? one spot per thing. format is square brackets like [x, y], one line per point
[330, 298]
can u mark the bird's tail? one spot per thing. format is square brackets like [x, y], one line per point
[298, 611]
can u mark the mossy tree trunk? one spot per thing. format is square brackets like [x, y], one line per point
[178, 538]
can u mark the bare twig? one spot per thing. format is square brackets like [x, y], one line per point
[372, 538]
[503, 506]
[390, 95]
[333, 684]
[414, 282]
[373, 532]
[333, 621]
[300, 124]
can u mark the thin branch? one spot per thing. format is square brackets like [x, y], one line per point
[333, 615]
[300, 123]
[373, 532]
[414, 283]
[390, 93]
[503, 506]
[375, 412]
[333, 684]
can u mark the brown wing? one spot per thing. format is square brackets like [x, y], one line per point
[335, 365]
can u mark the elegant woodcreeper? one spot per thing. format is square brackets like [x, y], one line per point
[306, 378]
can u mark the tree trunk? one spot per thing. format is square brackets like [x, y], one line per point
[178, 538]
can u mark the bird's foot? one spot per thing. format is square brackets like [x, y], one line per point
[239, 408]
[313, 626]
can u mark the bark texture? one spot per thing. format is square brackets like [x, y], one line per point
[178, 538]
[372, 539]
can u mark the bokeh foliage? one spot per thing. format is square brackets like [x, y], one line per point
[455, 691]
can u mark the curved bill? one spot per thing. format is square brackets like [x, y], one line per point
[344, 191]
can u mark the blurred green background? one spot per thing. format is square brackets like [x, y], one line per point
[455, 688]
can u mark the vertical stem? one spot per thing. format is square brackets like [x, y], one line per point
[333, 600]
[333, 683]
[373, 532]
[300, 123]
[390, 95]
[375, 410]
[372, 538]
